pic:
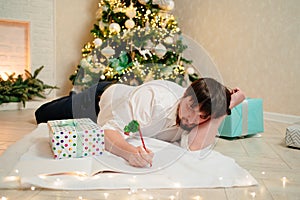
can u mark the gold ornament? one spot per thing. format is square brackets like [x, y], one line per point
[148, 12]
[130, 12]
[114, 28]
[169, 40]
[129, 24]
[167, 5]
[97, 42]
[102, 77]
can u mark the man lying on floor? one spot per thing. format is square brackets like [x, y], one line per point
[164, 110]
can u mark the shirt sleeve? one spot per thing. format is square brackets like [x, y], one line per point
[122, 104]
[113, 107]
[142, 103]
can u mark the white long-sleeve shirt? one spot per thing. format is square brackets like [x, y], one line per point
[153, 104]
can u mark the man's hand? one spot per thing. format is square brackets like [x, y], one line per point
[135, 156]
[237, 97]
[141, 158]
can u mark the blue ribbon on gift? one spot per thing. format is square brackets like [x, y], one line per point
[64, 123]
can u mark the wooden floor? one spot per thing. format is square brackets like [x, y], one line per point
[276, 168]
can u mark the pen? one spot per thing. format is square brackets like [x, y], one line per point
[134, 126]
[142, 139]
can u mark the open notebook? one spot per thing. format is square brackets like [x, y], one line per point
[38, 161]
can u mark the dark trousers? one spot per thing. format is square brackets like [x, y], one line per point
[81, 105]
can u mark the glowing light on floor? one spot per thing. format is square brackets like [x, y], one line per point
[253, 194]
[284, 181]
[197, 197]
[172, 197]
[106, 195]
[11, 178]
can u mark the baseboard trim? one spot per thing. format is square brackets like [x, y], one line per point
[278, 117]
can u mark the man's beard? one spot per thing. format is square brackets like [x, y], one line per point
[178, 123]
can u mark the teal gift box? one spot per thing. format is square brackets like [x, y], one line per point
[75, 138]
[245, 119]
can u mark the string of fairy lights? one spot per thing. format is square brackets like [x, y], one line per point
[133, 191]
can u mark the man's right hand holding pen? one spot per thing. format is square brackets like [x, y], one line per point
[142, 157]
[135, 156]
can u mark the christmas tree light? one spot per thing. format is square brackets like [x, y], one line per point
[135, 41]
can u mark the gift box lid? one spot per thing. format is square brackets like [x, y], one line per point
[72, 125]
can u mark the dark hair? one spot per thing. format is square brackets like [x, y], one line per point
[212, 97]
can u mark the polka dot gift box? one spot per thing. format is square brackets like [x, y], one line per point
[75, 138]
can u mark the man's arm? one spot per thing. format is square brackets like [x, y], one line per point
[204, 135]
[136, 156]
[237, 97]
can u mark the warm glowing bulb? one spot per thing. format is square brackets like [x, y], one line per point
[253, 194]
[284, 181]
[11, 178]
[197, 197]
[172, 197]
[106, 195]
[3, 76]
[133, 190]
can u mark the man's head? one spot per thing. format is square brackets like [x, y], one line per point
[205, 98]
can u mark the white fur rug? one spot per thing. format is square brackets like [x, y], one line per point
[29, 162]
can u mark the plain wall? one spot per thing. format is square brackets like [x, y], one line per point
[254, 43]
[74, 20]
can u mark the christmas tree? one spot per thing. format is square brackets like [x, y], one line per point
[134, 41]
